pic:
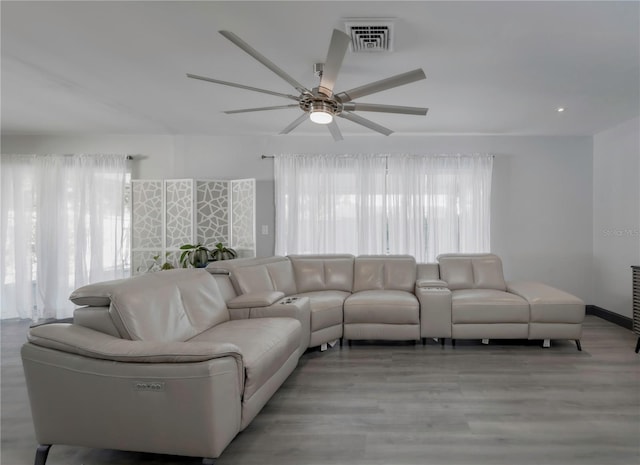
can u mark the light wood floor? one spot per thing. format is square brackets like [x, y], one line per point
[394, 404]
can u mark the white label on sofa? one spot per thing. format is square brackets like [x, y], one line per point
[148, 386]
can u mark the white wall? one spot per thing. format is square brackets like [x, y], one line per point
[541, 200]
[616, 215]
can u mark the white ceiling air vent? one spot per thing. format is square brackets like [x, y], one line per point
[370, 35]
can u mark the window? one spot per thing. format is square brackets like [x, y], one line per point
[383, 204]
[65, 224]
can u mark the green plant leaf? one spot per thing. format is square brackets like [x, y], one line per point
[183, 258]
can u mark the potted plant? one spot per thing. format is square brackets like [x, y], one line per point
[156, 265]
[223, 253]
[196, 255]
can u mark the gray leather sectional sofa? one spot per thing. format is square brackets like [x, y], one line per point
[201, 352]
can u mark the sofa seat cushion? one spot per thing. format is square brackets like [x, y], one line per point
[382, 306]
[265, 345]
[487, 306]
[326, 308]
[548, 304]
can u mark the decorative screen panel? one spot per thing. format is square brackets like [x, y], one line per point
[212, 212]
[145, 262]
[170, 213]
[243, 216]
[179, 212]
[147, 215]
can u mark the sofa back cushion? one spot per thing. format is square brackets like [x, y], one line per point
[323, 272]
[397, 272]
[171, 305]
[274, 276]
[472, 271]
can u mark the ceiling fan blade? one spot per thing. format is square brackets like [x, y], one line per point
[383, 84]
[335, 56]
[265, 61]
[335, 131]
[301, 119]
[241, 86]
[247, 110]
[353, 106]
[365, 122]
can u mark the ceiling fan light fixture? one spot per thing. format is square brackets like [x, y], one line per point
[320, 113]
[321, 117]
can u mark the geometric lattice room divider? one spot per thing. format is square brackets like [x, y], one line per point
[168, 213]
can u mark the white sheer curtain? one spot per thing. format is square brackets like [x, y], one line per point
[375, 204]
[406, 211]
[439, 204]
[65, 223]
[329, 204]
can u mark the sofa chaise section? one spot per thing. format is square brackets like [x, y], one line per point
[171, 373]
[485, 306]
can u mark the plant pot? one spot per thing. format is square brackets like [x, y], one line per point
[200, 258]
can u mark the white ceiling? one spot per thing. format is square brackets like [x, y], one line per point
[492, 67]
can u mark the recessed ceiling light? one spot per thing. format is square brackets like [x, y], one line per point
[560, 109]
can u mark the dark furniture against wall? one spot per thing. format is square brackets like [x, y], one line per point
[636, 304]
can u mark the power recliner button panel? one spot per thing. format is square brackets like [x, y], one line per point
[288, 300]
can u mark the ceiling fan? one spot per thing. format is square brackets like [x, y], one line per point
[321, 104]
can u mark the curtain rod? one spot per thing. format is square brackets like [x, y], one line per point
[263, 157]
[128, 157]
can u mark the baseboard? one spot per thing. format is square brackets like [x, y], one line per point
[608, 315]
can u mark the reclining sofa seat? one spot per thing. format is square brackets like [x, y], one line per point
[319, 282]
[162, 367]
[481, 307]
[327, 281]
[485, 306]
[383, 304]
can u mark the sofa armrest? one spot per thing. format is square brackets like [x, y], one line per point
[435, 308]
[93, 344]
[75, 375]
[298, 308]
[255, 299]
[430, 283]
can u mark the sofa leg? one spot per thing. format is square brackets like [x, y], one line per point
[341, 341]
[578, 345]
[442, 339]
[638, 345]
[485, 341]
[207, 461]
[424, 341]
[546, 343]
[453, 342]
[41, 454]
[323, 347]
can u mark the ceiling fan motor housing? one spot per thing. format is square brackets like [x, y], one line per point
[319, 102]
